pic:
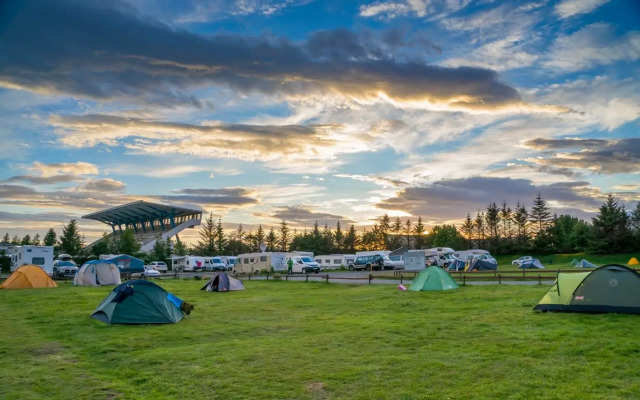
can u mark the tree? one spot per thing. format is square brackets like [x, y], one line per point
[221, 241]
[611, 228]
[521, 219]
[128, 243]
[506, 216]
[36, 240]
[634, 225]
[272, 240]
[50, 238]
[480, 229]
[159, 251]
[70, 240]
[26, 240]
[446, 236]
[339, 237]
[396, 239]
[284, 235]
[207, 243]
[540, 216]
[102, 247]
[407, 232]
[15, 240]
[492, 219]
[467, 230]
[351, 241]
[384, 226]
[6, 238]
[418, 231]
[179, 249]
[260, 236]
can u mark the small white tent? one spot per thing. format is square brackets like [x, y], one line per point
[97, 273]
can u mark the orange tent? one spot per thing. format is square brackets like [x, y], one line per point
[633, 261]
[27, 277]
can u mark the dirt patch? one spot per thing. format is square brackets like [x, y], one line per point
[49, 349]
[317, 390]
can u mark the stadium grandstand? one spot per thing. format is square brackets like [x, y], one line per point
[149, 221]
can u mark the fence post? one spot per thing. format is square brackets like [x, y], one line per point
[307, 278]
[267, 276]
[286, 277]
[499, 279]
[401, 278]
[464, 280]
[539, 280]
[327, 278]
[250, 276]
[370, 278]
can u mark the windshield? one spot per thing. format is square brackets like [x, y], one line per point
[386, 257]
[231, 261]
[306, 259]
[217, 260]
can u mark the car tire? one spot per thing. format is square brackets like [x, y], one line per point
[351, 267]
[304, 271]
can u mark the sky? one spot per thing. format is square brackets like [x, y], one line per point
[259, 111]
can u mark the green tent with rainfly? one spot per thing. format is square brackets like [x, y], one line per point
[141, 302]
[433, 278]
[610, 288]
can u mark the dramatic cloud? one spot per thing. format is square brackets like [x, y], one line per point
[104, 185]
[446, 201]
[569, 8]
[119, 55]
[213, 197]
[43, 180]
[603, 156]
[77, 168]
[385, 182]
[543, 143]
[303, 214]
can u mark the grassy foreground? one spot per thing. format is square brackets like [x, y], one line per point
[291, 340]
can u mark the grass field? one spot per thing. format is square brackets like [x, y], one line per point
[291, 340]
[560, 261]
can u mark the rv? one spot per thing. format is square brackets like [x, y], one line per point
[440, 256]
[334, 261]
[302, 262]
[187, 263]
[229, 261]
[214, 264]
[253, 263]
[42, 256]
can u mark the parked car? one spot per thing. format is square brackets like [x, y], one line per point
[64, 269]
[159, 266]
[149, 273]
[368, 263]
[522, 259]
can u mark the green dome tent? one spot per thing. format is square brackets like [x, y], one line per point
[610, 288]
[141, 302]
[433, 278]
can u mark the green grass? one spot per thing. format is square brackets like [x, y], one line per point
[561, 261]
[292, 340]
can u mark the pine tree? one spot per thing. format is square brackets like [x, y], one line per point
[221, 241]
[467, 230]
[15, 240]
[383, 229]
[260, 236]
[339, 237]
[505, 216]
[611, 228]
[36, 240]
[179, 249]
[521, 219]
[207, 243]
[418, 231]
[351, 242]
[26, 240]
[127, 244]
[50, 238]
[7, 238]
[284, 236]
[480, 227]
[70, 240]
[540, 215]
[272, 240]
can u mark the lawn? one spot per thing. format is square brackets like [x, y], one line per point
[294, 340]
[562, 261]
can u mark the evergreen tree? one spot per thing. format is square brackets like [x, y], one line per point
[506, 216]
[611, 228]
[327, 240]
[127, 244]
[159, 251]
[396, 241]
[260, 236]
[50, 239]
[521, 219]
[480, 228]
[102, 247]
[179, 249]
[15, 240]
[384, 227]
[26, 240]
[36, 240]
[467, 230]
[207, 243]
[492, 220]
[418, 231]
[351, 241]
[540, 216]
[407, 232]
[6, 238]
[70, 240]
[634, 225]
[221, 241]
[272, 240]
[339, 238]
[284, 235]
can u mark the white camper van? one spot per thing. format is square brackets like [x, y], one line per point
[229, 262]
[42, 256]
[253, 263]
[214, 264]
[303, 262]
[187, 263]
[335, 261]
[440, 256]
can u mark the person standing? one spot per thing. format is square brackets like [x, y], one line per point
[290, 267]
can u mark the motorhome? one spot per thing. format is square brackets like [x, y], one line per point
[440, 256]
[20, 255]
[334, 261]
[302, 262]
[187, 263]
[384, 255]
[252, 263]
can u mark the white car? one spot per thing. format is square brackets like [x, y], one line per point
[158, 266]
[521, 260]
[150, 273]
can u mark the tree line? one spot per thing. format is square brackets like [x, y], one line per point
[501, 229]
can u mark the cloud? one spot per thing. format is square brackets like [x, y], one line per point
[43, 180]
[544, 143]
[77, 168]
[450, 200]
[304, 215]
[104, 185]
[595, 44]
[569, 8]
[213, 197]
[382, 181]
[118, 55]
[389, 9]
[610, 157]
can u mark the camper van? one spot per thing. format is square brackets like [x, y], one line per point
[42, 256]
[303, 262]
[335, 261]
[253, 263]
[187, 263]
[229, 262]
[440, 256]
[214, 264]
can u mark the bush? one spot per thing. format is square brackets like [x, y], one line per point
[277, 276]
[197, 277]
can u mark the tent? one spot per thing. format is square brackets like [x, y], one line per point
[586, 264]
[633, 261]
[141, 302]
[610, 288]
[535, 263]
[221, 282]
[125, 263]
[433, 278]
[28, 277]
[482, 265]
[457, 265]
[96, 273]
